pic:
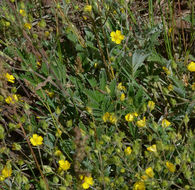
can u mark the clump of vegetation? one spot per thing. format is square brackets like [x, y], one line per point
[97, 95]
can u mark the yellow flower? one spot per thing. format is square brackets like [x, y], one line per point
[106, 117]
[36, 140]
[64, 165]
[88, 8]
[2, 178]
[170, 87]
[144, 177]
[38, 64]
[50, 94]
[28, 25]
[129, 117]
[165, 123]
[152, 148]
[22, 12]
[121, 87]
[11, 100]
[15, 97]
[122, 10]
[6, 172]
[112, 119]
[128, 150]
[141, 123]
[85, 185]
[85, 18]
[10, 78]
[139, 185]
[88, 181]
[81, 177]
[149, 172]
[170, 166]
[191, 66]
[122, 98]
[135, 114]
[109, 117]
[167, 71]
[117, 37]
[151, 105]
[193, 86]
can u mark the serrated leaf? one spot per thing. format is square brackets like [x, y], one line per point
[92, 82]
[155, 57]
[179, 86]
[138, 97]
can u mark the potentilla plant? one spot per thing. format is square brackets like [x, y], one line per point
[96, 95]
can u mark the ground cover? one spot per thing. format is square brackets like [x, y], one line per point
[97, 95]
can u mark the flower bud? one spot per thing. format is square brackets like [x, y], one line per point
[56, 180]
[58, 111]
[69, 123]
[2, 134]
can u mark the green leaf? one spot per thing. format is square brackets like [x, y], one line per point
[72, 37]
[137, 61]
[44, 69]
[103, 79]
[179, 86]
[138, 98]
[155, 57]
[92, 82]
[94, 95]
[48, 140]
[112, 88]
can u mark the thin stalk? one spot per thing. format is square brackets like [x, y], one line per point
[167, 42]
[182, 28]
[151, 12]
[105, 43]
[132, 16]
[40, 156]
[34, 157]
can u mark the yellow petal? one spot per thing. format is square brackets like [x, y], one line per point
[118, 41]
[165, 123]
[85, 185]
[129, 117]
[152, 148]
[149, 172]
[122, 37]
[118, 32]
[128, 150]
[170, 166]
[112, 34]
[191, 66]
